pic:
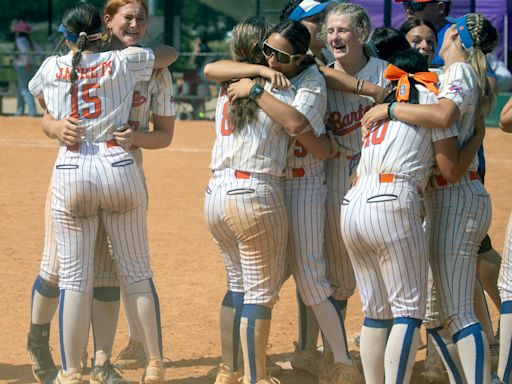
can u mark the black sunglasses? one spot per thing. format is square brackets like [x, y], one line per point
[416, 7]
[281, 56]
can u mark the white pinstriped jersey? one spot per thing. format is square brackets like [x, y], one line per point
[156, 96]
[311, 101]
[459, 84]
[262, 145]
[347, 109]
[102, 98]
[401, 148]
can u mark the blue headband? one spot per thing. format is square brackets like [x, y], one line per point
[68, 35]
[462, 28]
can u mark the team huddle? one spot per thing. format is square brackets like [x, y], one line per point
[343, 157]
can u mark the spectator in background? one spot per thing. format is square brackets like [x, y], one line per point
[434, 11]
[503, 75]
[24, 65]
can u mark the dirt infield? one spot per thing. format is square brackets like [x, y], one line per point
[189, 273]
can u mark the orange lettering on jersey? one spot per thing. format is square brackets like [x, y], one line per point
[63, 74]
[226, 124]
[377, 134]
[138, 99]
[300, 151]
[83, 73]
[106, 68]
[343, 125]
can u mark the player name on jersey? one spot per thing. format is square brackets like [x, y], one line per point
[344, 124]
[96, 71]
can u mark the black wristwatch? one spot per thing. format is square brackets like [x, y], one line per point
[255, 92]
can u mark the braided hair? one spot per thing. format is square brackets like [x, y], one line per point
[485, 40]
[81, 20]
[288, 9]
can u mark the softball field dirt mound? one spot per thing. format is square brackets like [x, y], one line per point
[188, 270]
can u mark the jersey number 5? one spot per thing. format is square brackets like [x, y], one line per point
[377, 135]
[88, 112]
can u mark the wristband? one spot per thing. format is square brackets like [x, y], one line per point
[391, 110]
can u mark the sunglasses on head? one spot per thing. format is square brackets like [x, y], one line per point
[281, 56]
[416, 7]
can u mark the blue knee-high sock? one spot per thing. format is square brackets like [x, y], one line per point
[505, 363]
[230, 328]
[374, 336]
[44, 301]
[158, 320]
[341, 306]
[445, 354]
[308, 326]
[473, 331]
[254, 332]
[105, 314]
[406, 342]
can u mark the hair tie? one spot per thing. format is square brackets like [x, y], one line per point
[403, 89]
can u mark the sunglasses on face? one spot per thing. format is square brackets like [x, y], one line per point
[416, 7]
[281, 56]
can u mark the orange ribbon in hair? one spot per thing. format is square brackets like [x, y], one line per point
[403, 89]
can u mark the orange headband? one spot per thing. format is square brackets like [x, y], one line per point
[403, 89]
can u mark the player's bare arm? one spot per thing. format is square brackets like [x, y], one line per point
[283, 114]
[442, 115]
[343, 82]
[67, 130]
[454, 162]
[322, 147]
[160, 137]
[225, 70]
[506, 117]
[165, 55]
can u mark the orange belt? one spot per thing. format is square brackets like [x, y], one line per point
[383, 178]
[242, 175]
[440, 181]
[296, 172]
[110, 144]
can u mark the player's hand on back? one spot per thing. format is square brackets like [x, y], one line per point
[277, 79]
[240, 89]
[376, 113]
[69, 131]
[125, 137]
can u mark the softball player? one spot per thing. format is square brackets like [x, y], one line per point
[505, 281]
[155, 95]
[458, 210]
[346, 28]
[285, 51]
[95, 164]
[246, 213]
[395, 166]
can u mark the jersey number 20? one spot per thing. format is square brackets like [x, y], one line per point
[87, 112]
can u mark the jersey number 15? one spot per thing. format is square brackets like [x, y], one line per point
[89, 111]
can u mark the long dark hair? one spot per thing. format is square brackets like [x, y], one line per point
[82, 19]
[386, 41]
[298, 36]
[411, 61]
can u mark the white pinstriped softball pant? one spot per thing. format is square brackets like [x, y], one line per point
[383, 232]
[99, 180]
[458, 218]
[246, 215]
